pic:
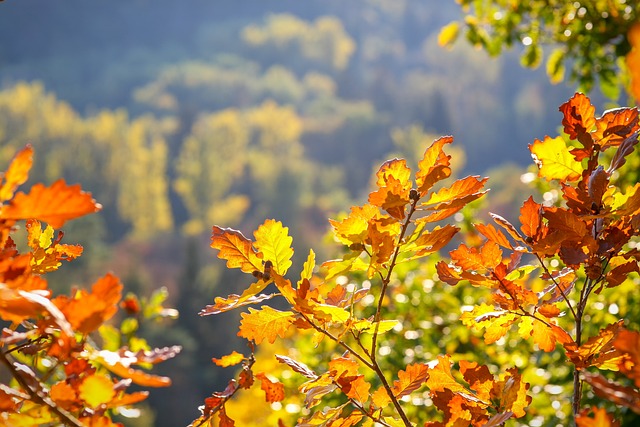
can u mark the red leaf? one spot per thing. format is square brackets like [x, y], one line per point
[273, 390]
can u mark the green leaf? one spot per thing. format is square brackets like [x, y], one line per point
[532, 56]
[555, 66]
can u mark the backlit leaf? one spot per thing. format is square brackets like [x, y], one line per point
[393, 188]
[448, 34]
[266, 323]
[17, 173]
[493, 234]
[236, 249]
[354, 228]
[600, 418]
[410, 379]
[229, 360]
[434, 165]
[440, 377]
[465, 189]
[432, 241]
[54, 205]
[274, 242]
[96, 390]
[298, 367]
[356, 389]
[273, 390]
[616, 393]
[578, 118]
[554, 160]
[530, 217]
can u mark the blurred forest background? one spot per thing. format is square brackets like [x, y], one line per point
[181, 115]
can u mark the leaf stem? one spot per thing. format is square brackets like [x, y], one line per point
[38, 396]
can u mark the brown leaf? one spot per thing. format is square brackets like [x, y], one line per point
[616, 393]
[579, 119]
[298, 367]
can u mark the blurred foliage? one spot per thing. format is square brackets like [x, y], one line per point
[586, 37]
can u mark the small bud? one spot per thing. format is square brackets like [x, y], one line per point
[414, 195]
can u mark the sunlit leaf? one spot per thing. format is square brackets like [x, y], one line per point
[273, 390]
[440, 377]
[410, 379]
[274, 242]
[434, 165]
[554, 160]
[229, 360]
[600, 418]
[96, 390]
[54, 205]
[266, 323]
[236, 249]
[17, 173]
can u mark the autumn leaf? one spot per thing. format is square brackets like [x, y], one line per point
[554, 160]
[64, 395]
[46, 253]
[410, 379]
[434, 165]
[17, 173]
[600, 418]
[530, 218]
[229, 360]
[511, 392]
[236, 249]
[440, 377]
[274, 242]
[273, 390]
[86, 311]
[493, 234]
[579, 118]
[394, 185]
[54, 205]
[356, 388]
[459, 193]
[434, 240]
[298, 367]
[614, 392]
[496, 322]
[266, 323]
[96, 390]
[354, 229]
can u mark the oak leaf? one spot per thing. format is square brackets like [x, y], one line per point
[394, 185]
[579, 118]
[600, 418]
[434, 165]
[616, 393]
[46, 253]
[554, 160]
[236, 249]
[274, 242]
[298, 367]
[96, 390]
[410, 379]
[266, 323]
[54, 205]
[460, 192]
[493, 234]
[440, 377]
[273, 390]
[229, 360]
[17, 173]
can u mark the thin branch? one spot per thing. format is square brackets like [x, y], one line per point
[38, 396]
[564, 296]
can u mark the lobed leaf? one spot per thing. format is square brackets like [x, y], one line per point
[54, 205]
[554, 160]
[17, 173]
[274, 243]
[266, 323]
[236, 249]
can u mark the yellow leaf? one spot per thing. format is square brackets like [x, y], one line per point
[554, 160]
[17, 173]
[309, 265]
[434, 165]
[448, 34]
[96, 390]
[440, 377]
[273, 240]
[266, 323]
[393, 188]
[229, 360]
[354, 228]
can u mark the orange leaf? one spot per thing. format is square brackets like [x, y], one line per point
[544, 336]
[599, 350]
[137, 376]
[440, 377]
[410, 379]
[511, 392]
[549, 310]
[530, 217]
[355, 227]
[464, 190]
[54, 205]
[356, 389]
[236, 249]
[87, 311]
[472, 259]
[380, 398]
[579, 118]
[479, 378]
[224, 419]
[229, 360]
[17, 173]
[432, 241]
[266, 323]
[493, 234]
[273, 390]
[63, 394]
[434, 165]
[629, 342]
[600, 418]
[633, 60]
[495, 322]
[393, 187]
